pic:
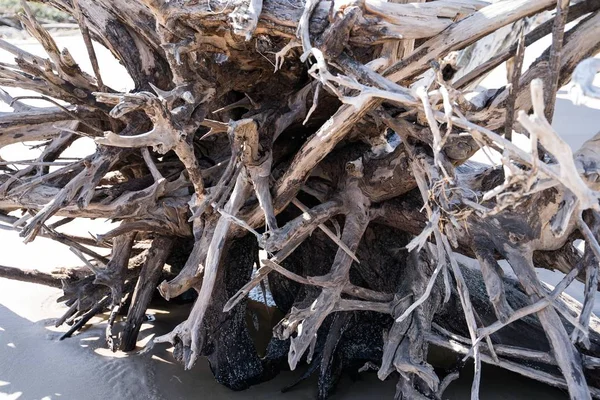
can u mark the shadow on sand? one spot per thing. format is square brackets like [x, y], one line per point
[35, 365]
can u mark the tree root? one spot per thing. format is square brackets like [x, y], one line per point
[368, 134]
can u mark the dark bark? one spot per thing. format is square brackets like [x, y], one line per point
[144, 289]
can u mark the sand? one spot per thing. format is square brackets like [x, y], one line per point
[35, 365]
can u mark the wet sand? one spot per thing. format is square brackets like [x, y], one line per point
[35, 365]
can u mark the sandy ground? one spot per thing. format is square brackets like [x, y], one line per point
[35, 365]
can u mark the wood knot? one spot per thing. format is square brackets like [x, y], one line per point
[355, 168]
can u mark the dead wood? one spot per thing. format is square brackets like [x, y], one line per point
[336, 137]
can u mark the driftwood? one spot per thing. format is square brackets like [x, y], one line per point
[336, 137]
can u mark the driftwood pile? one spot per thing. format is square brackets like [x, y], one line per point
[334, 137]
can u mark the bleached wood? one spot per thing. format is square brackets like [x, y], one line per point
[365, 134]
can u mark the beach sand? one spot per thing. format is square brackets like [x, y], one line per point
[34, 364]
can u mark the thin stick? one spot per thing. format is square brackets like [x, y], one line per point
[533, 308]
[558, 34]
[66, 240]
[31, 276]
[327, 231]
[440, 265]
[86, 317]
[287, 273]
[532, 373]
[63, 108]
[465, 300]
[591, 283]
[88, 45]
[514, 87]
[79, 254]
[37, 163]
